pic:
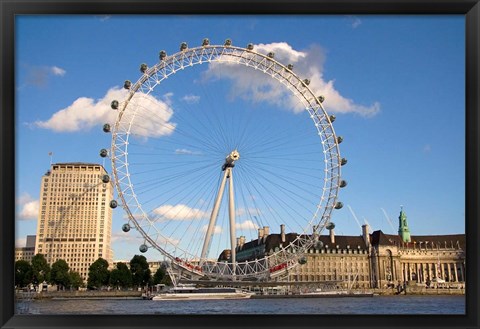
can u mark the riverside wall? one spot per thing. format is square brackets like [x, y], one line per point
[88, 294]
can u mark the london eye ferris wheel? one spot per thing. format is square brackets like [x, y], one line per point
[206, 167]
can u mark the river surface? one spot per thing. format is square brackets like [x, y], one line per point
[345, 305]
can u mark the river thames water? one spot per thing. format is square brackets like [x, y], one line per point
[345, 305]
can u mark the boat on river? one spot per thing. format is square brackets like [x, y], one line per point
[186, 292]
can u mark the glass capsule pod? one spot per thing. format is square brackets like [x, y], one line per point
[183, 46]
[271, 54]
[106, 128]
[343, 183]
[228, 42]
[343, 161]
[114, 104]
[162, 54]
[321, 99]
[302, 260]
[290, 67]
[319, 245]
[143, 67]
[126, 227]
[105, 179]
[332, 118]
[250, 46]
[339, 139]
[103, 153]
[113, 204]
[127, 84]
[338, 205]
[205, 42]
[143, 248]
[306, 82]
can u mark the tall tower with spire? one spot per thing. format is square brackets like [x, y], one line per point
[403, 230]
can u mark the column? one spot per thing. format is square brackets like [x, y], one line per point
[442, 268]
[449, 271]
[416, 272]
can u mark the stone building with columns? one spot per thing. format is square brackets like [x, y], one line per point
[369, 260]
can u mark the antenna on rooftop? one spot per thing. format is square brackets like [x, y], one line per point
[50, 154]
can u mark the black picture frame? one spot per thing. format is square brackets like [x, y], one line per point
[11, 8]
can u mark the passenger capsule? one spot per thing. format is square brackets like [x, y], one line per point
[106, 128]
[339, 139]
[343, 161]
[302, 260]
[143, 248]
[113, 204]
[250, 46]
[338, 205]
[343, 183]
[183, 46]
[143, 68]
[306, 82]
[103, 153]
[332, 118]
[321, 99]
[330, 226]
[127, 84]
[105, 179]
[290, 67]
[126, 227]
[205, 42]
[228, 42]
[271, 54]
[319, 245]
[114, 105]
[162, 54]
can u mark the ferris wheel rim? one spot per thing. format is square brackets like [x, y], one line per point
[269, 66]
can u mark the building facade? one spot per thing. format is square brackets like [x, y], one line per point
[369, 260]
[75, 219]
[26, 253]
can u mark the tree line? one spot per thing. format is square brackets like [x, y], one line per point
[136, 275]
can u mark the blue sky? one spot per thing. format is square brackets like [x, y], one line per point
[395, 84]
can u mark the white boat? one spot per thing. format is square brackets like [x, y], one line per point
[194, 293]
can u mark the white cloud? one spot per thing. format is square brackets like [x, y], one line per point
[85, 113]
[354, 21]
[216, 230]
[308, 64]
[29, 210]
[249, 211]
[187, 152]
[248, 224]
[24, 198]
[39, 76]
[180, 212]
[20, 242]
[58, 71]
[191, 99]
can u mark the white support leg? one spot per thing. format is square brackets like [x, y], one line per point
[231, 215]
[213, 219]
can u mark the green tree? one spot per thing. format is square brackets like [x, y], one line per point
[121, 277]
[76, 280]
[98, 274]
[141, 274]
[159, 276]
[23, 273]
[60, 275]
[40, 269]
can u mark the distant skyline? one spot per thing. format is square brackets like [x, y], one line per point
[395, 84]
